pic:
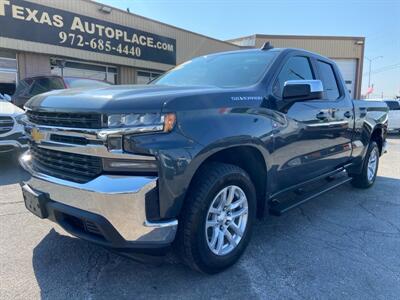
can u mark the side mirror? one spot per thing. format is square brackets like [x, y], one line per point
[300, 90]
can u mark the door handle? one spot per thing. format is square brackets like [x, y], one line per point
[322, 115]
[347, 114]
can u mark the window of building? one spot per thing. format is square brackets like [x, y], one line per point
[296, 68]
[144, 77]
[79, 69]
[8, 72]
[328, 79]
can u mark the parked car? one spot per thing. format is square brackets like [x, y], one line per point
[5, 97]
[394, 115]
[12, 136]
[32, 86]
[195, 156]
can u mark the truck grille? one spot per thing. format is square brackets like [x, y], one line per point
[68, 166]
[65, 119]
[68, 139]
[6, 124]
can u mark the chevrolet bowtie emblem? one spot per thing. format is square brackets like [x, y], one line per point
[36, 135]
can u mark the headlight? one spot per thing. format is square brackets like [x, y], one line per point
[21, 118]
[143, 122]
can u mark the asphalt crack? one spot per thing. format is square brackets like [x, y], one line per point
[379, 218]
[14, 214]
[99, 261]
[11, 202]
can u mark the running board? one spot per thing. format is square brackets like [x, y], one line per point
[277, 208]
[310, 181]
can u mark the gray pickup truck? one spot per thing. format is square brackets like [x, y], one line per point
[191, 159]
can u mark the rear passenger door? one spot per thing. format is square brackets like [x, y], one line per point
[337, 101]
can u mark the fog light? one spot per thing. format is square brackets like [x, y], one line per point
[130, 165]
[114, 143]
[26, 157]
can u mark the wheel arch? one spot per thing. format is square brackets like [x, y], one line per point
[378, 136]
[245, 156]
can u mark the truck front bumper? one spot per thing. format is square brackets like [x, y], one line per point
[108, 210]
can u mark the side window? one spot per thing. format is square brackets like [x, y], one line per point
[329, 81]
[393, 105]
[43, 85]
[296, 68]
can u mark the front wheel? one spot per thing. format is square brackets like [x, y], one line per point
[370, 168]
[216, 221]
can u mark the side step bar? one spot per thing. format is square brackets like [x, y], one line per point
[308, 182]
[277, 208]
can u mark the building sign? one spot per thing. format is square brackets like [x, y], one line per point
[28, 21]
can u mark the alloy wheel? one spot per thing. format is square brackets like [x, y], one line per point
[372, 164]
[226, 220]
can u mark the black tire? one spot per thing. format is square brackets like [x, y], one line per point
[192, 241]
[361, 180]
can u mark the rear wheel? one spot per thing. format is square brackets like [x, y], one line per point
[217, 218]
[370, 168]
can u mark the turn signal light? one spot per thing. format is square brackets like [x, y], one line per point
[169, 122]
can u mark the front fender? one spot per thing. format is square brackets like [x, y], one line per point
[212, 131]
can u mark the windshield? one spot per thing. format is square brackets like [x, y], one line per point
[237, 69]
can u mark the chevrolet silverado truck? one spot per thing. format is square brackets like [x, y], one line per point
[189, 161]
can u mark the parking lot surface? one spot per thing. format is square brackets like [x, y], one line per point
[344, 244]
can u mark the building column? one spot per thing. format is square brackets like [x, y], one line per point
[32, 64]
[126, 75]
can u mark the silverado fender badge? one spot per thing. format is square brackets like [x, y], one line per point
[246, 98]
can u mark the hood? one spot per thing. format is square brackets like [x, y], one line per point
[113, 99]
[9, 109]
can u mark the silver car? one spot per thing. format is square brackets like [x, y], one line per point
[394, 115]
[12, 135]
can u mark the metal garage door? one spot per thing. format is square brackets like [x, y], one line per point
[348, 68]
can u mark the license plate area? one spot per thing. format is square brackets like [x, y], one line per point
[35, 202]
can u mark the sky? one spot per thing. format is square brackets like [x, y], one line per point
[376, 20]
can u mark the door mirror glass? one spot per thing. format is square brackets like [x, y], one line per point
[301, 90]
